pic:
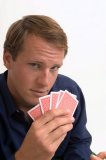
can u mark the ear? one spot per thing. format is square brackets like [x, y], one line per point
[7, 58]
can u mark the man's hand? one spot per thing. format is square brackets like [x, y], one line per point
[100, 156]
[45, 135]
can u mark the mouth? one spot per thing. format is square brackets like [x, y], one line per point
[39, 93]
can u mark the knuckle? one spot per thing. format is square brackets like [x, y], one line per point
[49, 149]
[62, 130]
[71, 126]
[52, 114]
[65, 129]
[38, 134]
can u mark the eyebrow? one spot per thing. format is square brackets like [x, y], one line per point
[41, 62]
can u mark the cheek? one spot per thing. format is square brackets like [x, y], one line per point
[22, 77]
[27, 79]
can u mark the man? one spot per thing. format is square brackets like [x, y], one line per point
[34, 50]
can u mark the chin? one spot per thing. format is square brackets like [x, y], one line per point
[34, 102]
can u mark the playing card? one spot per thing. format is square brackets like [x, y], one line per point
[59, 97]
[68, 102]
[74, 95]
[45, 103]
[53, 99]
[35, 112]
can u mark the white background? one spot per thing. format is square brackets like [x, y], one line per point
[84, 22]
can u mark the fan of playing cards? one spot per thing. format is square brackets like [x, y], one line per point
[60, 99]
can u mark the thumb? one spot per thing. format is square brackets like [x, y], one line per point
[102, 155]
[94, 157]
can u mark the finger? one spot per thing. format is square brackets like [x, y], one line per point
[56, 143]
[94, 157]
[59, 132]
[102, 155]
[58, 122]
[50, 115]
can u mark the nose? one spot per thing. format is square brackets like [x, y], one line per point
[44, 78]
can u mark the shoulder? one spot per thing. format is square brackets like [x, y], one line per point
[65, 80]
[65, 83]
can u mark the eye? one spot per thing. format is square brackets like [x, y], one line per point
[55, 68]
[34, 65]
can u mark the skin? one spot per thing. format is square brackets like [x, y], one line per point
[31, 76]
[34, 71]
[100, 156]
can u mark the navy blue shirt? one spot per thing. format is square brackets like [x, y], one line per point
[14, 125]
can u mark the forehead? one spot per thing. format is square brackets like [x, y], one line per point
[36, 47]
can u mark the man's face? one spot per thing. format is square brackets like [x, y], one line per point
[34, 71]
